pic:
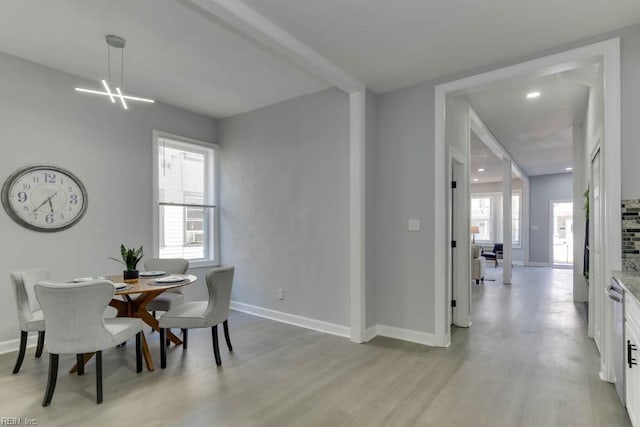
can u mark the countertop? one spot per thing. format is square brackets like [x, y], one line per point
[630, 280]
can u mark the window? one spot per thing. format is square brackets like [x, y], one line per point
[481, 216]
[515, 219]
[186, 220]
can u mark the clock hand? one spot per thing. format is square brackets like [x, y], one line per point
[50, 204]
[45, 202]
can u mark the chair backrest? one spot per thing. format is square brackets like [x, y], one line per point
[169, 265]
[498, 248]
[23, 282]
[219, 283]
[74, 315]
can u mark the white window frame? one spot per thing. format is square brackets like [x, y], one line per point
[212, 189]
[492, 222]
[517, 244]
[496, 217]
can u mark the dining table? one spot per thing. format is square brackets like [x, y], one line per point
[133, 300]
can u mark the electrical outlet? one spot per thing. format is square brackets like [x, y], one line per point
[280, 294]
[414, 225]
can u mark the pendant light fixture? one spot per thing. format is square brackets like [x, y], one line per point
[117, 95]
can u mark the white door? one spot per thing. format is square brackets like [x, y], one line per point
[596, 290]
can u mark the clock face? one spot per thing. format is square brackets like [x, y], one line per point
[44, 198]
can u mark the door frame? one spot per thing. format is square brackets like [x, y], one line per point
[551, 257]
[460, 280]
[609, 52]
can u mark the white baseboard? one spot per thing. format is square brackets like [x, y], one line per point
[14, 345]
[520, 263]
[410, 335]
[418, 337]
[371, 333]
[539, 264]
[292, 319]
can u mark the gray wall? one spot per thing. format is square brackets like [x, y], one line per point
[404, 189]
[544, 189]
[285, 205]
[42, 120]
[404, 261]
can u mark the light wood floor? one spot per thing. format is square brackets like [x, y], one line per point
[526, 361]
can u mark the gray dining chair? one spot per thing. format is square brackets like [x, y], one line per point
[30, 317]
[76, 325]
[173, 297]
[202, 314]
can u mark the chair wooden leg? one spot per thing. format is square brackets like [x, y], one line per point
[98, 376]
[80, 363]
[225, 325]
[51, 380]
[23, 347]
[40, 343]
[185, 335]
[139, 352]
[216, 348]
[163, 349]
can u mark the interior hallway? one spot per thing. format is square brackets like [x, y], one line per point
[526, 361]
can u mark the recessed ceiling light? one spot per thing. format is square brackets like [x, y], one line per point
[568, 169]
[532, 95]
[480, 170]
[475, 180]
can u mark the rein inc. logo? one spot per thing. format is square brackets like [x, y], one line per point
[18, 421]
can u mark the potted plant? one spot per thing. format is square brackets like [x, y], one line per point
[130, 259]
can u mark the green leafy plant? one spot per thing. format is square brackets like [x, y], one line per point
[130, 257]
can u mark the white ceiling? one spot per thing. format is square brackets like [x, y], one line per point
[174, 53]
[537, 133]
[180, 55]
[483, 158]
[393, 44]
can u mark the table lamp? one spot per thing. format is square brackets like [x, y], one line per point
[475, 230]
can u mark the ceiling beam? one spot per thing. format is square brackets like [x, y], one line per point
[270, 36]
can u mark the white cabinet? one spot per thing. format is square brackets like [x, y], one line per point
[631, 357]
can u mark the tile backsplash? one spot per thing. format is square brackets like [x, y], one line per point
[631, 235]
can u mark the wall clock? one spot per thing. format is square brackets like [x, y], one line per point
[44, 198]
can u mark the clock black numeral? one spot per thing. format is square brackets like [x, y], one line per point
[49, 218]
[22, 197]
[26, 186]
[50, 177]
[73, 199]
[36, 179]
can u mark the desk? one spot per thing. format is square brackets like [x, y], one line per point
[136, 298]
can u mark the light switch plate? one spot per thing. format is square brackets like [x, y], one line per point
[414, 225]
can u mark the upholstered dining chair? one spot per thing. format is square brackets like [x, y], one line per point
[76, 325]
[30, 317]
[202, 314]
[173, 297]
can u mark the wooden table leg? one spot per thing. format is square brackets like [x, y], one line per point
[151, 321]
[147, 354]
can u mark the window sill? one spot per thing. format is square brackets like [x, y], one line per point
[203, 264]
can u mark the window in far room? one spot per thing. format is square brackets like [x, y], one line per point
[481, 217]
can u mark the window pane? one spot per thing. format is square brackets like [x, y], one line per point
[184, 232]
[515, 218]
[481, 217]
[182, 174]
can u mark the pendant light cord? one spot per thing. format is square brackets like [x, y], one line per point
[108, 63]
[121, 68]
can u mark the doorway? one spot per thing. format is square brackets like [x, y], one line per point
[607, 54]
[562, 233]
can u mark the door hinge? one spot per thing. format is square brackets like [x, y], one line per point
[454, 184]
[453, 303]
[453, 243]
